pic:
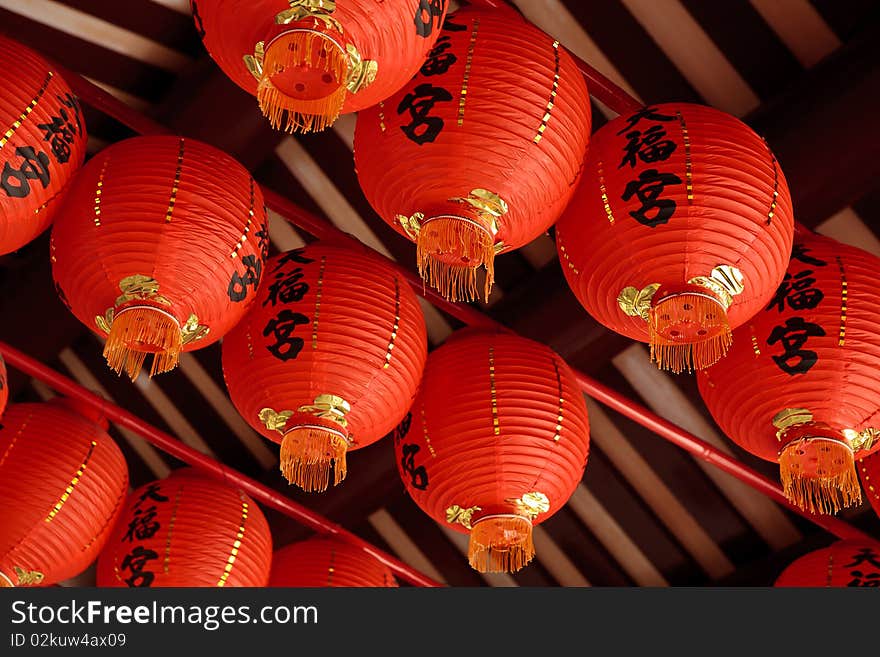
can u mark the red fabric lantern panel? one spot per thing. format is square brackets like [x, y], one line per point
[679, 232]
[187, 530]
[844, 563]
[799, 385]
[159, 246]
[42, 143]
[328, 360]
[481, 151]
[327, 562]
[869, 475]
[496, 442]
[62, 485]
[308, 60]
[4, 386]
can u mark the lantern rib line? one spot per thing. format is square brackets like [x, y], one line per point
[396, 327]
[27, 110]
[73, 482]
[467, 72]
[15, 439]
[176, 186]
[553, 91]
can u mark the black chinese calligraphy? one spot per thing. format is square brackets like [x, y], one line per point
[282, 328]
[645, 114]
[418, 475]
[798, 292]
[793, 335]
[34, 166]
[287, 287]
[400, 432]
[143, 525]
[648, 146]
[799, 252]
[296, 255]
[419, 103]
[654, 211]
[239, 283]
[60, 132]
[439, 59]
[427, 16]
[136, 563]
[263, 241]
[151, 493]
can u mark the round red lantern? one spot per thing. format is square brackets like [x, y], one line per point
[4, 386]
[799, 385]
[480, 152]
[187, 530]
[844, 563]
[496, 442]
[307, 61]
[160, 247]
[328, 360]
[62, 484]
[679, 231]
[327, 562]
[42, 143]
[869, 474]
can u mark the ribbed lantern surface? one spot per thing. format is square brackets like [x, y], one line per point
[495, 443]
[800, 385]
[327, 562]
[307, 61]
[4, 386]
[42, 143]
[187, 530]
[160, 247]
[328, 360]
[844, 563]
[869, 476]
[679, 232]
[63, 482]
[480, 152]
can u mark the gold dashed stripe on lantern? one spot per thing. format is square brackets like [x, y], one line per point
[553, 91]
[565, 254]
[15, 438]
[73, 482]
[332, 567]
[233, 554]
[495, 422]
[167, 561]
[99, 191]
[46, 204]
[872, 491]
[688, 167]
[176, 186]
[467, 72]
[27, 110]
[830, 569]
[250, 344]
[558, 433]
[775, 198]
[247, 226]
[604, 193]
[381, 116]
[396, 322]
[755, 346]
[318, 303]
[425, 433]
[841, 337]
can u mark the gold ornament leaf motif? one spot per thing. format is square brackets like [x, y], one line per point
[457, 514]
[635, 302]
[299, 10]
[490, 206]
[361, 72]
[531, 504]
[789, 417]
[105, 321]
[726, 281]
[254, 63]
[192, 330]
[862, 440]
[28, 578]
[274, 420]
[328, 407]
[411, 225]
[141, 287]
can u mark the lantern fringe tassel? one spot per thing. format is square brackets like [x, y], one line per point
[307, 456]
[141, 331]
[690, 353]
[302, 48]
[825, 493]
[501, 544]
[464, 240]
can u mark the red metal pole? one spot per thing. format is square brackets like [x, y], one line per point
[176, 448]
[320, 229]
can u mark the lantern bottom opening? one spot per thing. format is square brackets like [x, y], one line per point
[688, 330]
[141, 330]
[501, 544]
[818, 474]
[308, 455]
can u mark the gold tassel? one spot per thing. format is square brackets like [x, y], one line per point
[142, 330]
[501, 544]
[687, 332]
[307, 455]
[302, 49]
[448, 238]
[819, 475]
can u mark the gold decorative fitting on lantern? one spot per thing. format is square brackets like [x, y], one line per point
[725, 281]
[862, 440]
[531, 504]
[328, 407]
[301, 9]
[411, 225]
[789, 417]
[460, 515]
[274, 420]
[635, 302]
[28, 577]
[361, 72]
[490, 206]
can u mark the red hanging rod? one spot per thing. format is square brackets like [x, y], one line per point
[699, 448]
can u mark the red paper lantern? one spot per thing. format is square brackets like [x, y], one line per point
[481, 151]
[679, 232]
[187, 530]
[799, 385]
[62, 484]
[328, 360]
[4, 386]
[496, 442]
[327, 562]
[869, 474]
[42, 143]
[844, 563]
[160, 247]
[308, 60]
